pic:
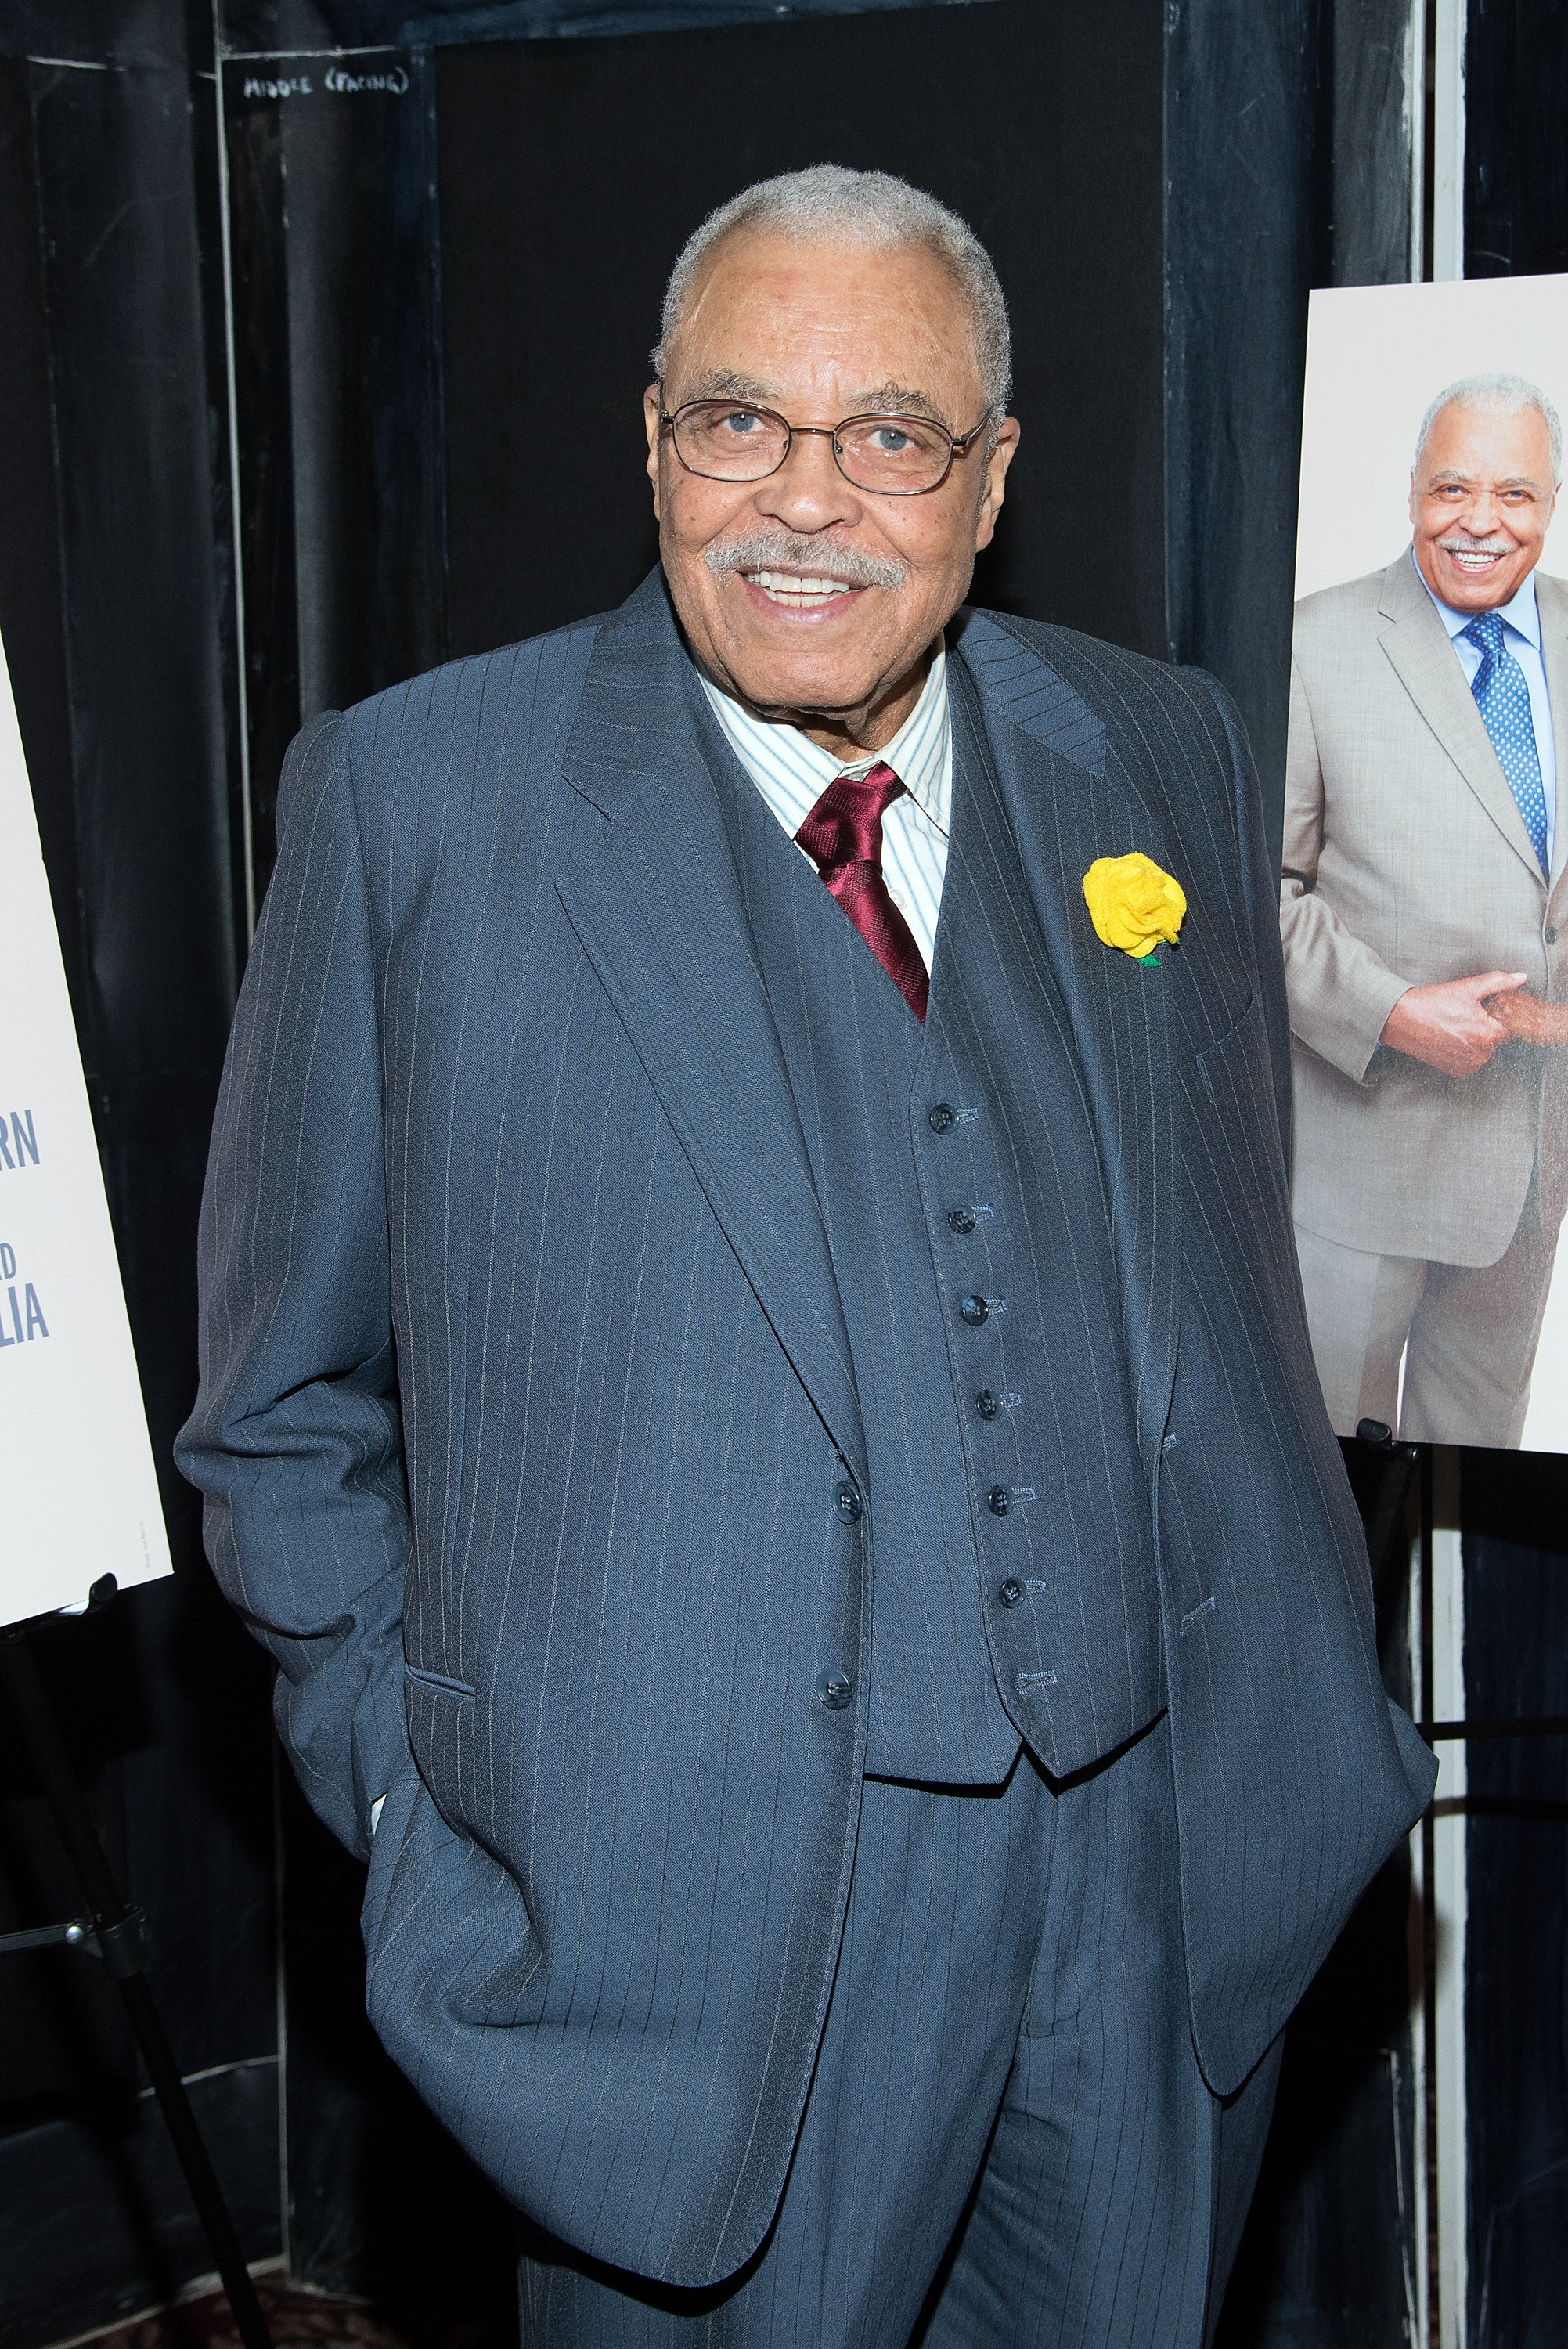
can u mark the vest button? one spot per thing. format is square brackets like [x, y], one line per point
[975, 1311]
[1011, 1593]
[834, 1691]
[961, 1219]
[987, 1404]
[998, 1500]
[942, 1119]
[847, 1504]
[1551, 934]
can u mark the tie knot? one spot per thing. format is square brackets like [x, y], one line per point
[845, 827]
[1485, 631]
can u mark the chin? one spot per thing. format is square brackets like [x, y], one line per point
[800, 676]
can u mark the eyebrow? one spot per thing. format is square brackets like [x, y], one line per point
[883, 400]
[1452, 478]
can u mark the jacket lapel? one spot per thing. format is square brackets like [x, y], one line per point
[1552, 601]
[1417, 643]
[1045, 793]
[655, 900]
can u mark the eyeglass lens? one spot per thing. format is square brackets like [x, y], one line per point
[728, 443]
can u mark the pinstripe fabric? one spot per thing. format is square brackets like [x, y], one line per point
[527, 1386]
[977, 2040]
[792, 773]
[1070, 1659]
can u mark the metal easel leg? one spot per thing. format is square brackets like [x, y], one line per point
[118, 1931]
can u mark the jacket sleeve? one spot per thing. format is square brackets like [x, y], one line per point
[296, 1438]
[1341, 993]
[1261, 895]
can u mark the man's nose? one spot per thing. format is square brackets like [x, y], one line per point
[808, 491]
[1481, 515]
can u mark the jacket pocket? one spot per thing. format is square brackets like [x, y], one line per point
[1236, 1060]
[437, 1681]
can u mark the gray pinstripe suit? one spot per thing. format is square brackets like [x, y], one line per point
[601, 1467]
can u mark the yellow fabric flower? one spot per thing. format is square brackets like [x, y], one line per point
[1133, 905]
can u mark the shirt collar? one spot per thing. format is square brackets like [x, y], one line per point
[1522, 612]
[792, 772]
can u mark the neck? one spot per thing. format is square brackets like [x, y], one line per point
[849, 735]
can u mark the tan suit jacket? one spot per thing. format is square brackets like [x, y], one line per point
[1406, 861]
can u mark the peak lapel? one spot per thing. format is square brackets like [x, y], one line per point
[656, 901]
[1046, 795]
[1417, 643]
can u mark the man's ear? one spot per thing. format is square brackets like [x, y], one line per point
[994, 480]
[653, 408]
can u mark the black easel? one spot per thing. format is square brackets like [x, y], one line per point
[1385, 1522]
[116, 1932]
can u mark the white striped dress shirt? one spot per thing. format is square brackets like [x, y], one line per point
[792, 774]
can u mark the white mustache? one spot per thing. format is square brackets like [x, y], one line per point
[814, 558]
[1458, 541]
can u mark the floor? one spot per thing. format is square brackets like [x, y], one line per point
[296, 2320]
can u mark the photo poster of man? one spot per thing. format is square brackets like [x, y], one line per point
[1423, 901]
[76, 1464]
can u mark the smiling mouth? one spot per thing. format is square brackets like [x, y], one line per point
[798, 592]
[1475, 559]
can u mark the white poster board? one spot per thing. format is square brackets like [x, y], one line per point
[1376, 357]
[76, 1465]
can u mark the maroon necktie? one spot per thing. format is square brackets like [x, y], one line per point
[843, 838]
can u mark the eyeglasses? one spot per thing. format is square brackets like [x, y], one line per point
[895, 456]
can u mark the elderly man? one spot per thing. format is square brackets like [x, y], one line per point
[1421, 907]
[756, 1386]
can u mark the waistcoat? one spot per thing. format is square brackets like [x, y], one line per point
[1007, 1510]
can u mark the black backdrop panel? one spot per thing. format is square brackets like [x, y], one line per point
[571, 171]
[337, 389]
[114, 606]
[1516, 157]
[1516, 1989]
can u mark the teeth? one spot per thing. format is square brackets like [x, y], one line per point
[788, 587]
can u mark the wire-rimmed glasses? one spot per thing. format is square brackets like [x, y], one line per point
[894, 456]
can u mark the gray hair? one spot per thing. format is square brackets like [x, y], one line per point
[829, 204]
[1495, 395]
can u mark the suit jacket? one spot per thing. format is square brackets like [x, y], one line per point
[1405, 861]
[527, 1400]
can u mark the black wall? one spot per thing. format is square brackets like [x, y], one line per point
[119, 626]
[571, 172]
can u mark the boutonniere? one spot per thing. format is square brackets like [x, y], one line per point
[1133, 905]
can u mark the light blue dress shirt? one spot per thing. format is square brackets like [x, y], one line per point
[792, 774]
[1522, 635]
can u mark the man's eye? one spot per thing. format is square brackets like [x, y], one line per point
[888, 441]
[741, 420]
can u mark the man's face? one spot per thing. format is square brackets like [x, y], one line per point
[859, 584]
[1480, 499]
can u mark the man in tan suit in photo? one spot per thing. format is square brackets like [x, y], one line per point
[1424, 921]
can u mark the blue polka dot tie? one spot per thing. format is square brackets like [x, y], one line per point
[1502, 697]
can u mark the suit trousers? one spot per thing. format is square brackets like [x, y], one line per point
[1467, 1335]
[1006, 2140]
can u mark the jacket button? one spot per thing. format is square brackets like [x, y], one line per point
[987, 1404]
[998, 1500]
[1550, 934]
[834, 1689]
[961, 1219]
[975, 1311]
[847, 1504]
[1011, 1593]
[942, 1119]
